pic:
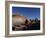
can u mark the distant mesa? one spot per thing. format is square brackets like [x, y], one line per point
[18, 19]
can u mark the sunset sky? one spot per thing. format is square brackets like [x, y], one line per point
[30, 13]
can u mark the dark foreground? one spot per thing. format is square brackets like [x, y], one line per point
[35, 26]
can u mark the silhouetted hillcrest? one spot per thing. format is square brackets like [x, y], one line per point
[20, 22]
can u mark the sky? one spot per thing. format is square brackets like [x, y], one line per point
[30, 13]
